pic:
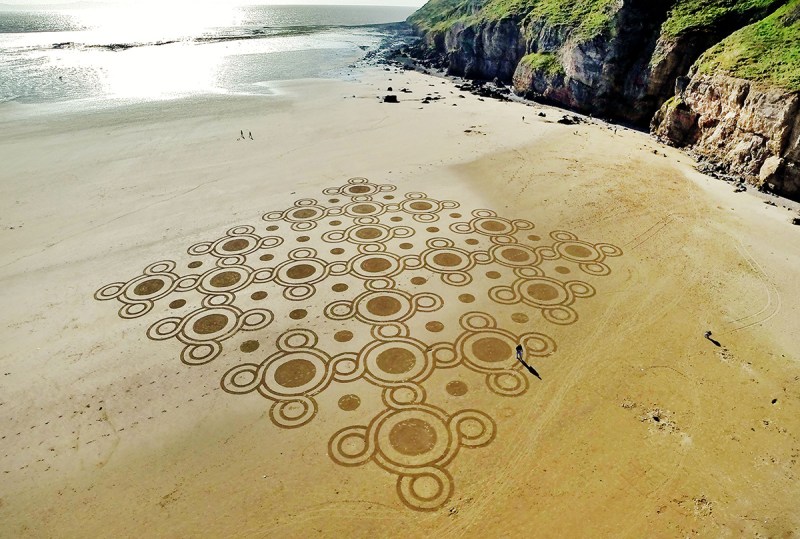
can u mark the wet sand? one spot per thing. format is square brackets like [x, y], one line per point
[313, 332]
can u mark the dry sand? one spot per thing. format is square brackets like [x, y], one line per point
[279, 423]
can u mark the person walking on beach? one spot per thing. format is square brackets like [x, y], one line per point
[519, 352]
[251, 134]
[241, 132]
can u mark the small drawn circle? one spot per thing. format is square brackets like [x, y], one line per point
[249, 346]
[343, 336]
[266, 258]
[177, 304]
[466, 298]
[456, 388]
[434, 326]
[195, 264]
[493, 274]
[339, 287]
[520, 318]
[406, 245]
[418, 280]
[534, 237]
[337, 251]
[298, 314]
[562, 270]
[348, 403]
[258, 295]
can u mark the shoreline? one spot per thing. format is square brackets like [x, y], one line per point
[120, 435]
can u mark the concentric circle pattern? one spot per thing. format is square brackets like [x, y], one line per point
[380, 290]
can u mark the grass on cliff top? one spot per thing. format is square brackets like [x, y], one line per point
[544, 62]
[767, 51]
[688, 15]
[438, 15]
[588, 18]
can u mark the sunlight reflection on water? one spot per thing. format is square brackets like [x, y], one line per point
[156, 52]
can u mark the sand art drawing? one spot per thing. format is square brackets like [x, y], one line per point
[397, 271]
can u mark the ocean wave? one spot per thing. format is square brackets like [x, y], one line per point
[265, 32]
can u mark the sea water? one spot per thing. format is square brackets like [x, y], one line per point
[136, 54]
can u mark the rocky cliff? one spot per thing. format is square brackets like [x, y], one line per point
[740, 105]
[625, 59]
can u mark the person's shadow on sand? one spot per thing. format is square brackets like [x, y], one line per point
[530, 369]
[708, 336]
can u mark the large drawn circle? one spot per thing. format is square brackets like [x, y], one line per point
[414, 438]
[395, 361]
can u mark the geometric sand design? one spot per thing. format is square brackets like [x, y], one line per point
[399, 267]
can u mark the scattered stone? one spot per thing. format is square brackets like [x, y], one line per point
[389, 89]
[740, 188]
[542, 115]
[405, 90]
[569, 120]
[796, 221]
[390, 99]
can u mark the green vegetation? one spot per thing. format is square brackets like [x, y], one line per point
[673, 102]
[767, 51]
[437, 15]
[688, 15]
[587, 18]
[544, 62]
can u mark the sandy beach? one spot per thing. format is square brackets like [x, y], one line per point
[311, 333]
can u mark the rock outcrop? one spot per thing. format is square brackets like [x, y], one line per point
[749, 130]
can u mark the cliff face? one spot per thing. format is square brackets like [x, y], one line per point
[750, 130]
[625, 59]
[740, 106]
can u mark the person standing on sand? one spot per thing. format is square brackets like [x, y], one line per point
[241, 132]
[519, 352]
[251, 134]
